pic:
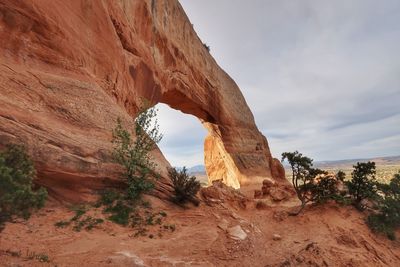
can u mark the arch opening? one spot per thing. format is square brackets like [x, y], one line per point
[183, 140]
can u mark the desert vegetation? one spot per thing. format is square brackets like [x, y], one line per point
[17, 195]
[28, 255]
[134, 155]
[311, 184]
[381, 201]
[127, 207]
[384, 170]
[387, 217]
[80, 220]
[363, 184]
[185, 186]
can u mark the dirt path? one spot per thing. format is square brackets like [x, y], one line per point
[322, 236]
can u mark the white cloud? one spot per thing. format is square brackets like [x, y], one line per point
[182, 143]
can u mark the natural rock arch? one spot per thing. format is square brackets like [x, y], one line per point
[220, 163]
[70, 68]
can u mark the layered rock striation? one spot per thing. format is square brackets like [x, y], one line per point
[69, 69]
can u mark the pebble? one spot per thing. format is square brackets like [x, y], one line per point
[276, 237]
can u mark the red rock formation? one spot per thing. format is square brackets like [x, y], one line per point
[68, 69]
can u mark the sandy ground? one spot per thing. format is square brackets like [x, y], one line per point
[327, 235]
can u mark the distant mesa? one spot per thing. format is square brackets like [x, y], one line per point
[197, 169]
[391, 160]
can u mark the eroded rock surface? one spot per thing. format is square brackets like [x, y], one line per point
[68, 69]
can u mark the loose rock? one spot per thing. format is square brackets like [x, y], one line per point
[237, 233]
[276, 237]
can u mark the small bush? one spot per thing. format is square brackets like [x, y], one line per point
[79, 221]
[80, 210]
[87, 223]
[123, 211]
[120, 213]
[363, 184]
[134, 155]
[170, 227]
[62, 224]
[381, 223]
[342, 200]
[324, 188]
[107, 197]
[185, 187]
[150, 219]
[41, 257]
[388, 217]
[16, 182]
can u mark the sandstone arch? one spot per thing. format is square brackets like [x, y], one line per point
[68, 69]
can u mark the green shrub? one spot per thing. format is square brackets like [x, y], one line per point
[42, 257]
[324, 188]
[139, 185]
[134, 155]
[185, 186]
[170, 227]
[16, 182]
[311, 184]
[377, 223]
[388, 217]
[363, 184]
[120, 213]
[79, 221]
[149, 219]
[88, 223]
[107, 197]
[62, 224]
[79, 210]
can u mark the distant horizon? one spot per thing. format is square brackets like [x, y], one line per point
[315, 161]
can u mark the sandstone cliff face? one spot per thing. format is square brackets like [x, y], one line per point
[68, 69]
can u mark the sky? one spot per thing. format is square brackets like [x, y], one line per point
[320, 76]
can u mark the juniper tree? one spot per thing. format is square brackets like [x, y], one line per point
[363, 183]
[17, 197]
[301, 178]
[311, 184]
[388, 217]
[341, 175]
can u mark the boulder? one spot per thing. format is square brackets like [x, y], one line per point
[278, 194]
